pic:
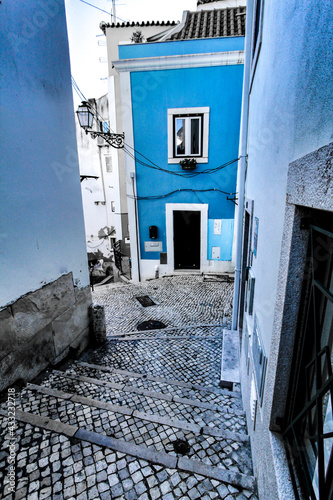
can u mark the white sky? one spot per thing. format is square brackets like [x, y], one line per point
[84, 34]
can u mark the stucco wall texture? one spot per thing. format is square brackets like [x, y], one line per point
[41, 222]
[44, 282]
[155, 91]
[290, 116]
[291, 109]
[178, 89]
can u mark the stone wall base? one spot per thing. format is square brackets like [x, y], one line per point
[41, 328]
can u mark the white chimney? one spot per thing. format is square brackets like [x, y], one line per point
[221, 4]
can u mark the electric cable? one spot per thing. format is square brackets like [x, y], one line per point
[166, 195]
[77, 89]
[102, 10]
[188, 174]
[184, 174]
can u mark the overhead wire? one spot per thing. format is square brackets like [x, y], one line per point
[166, 195]
[188, 174]
[102, 10]
[151, 164]
[77, 89]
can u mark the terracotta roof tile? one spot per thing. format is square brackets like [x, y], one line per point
[212, 23]
[133, 24]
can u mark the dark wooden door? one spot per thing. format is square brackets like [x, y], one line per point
[186, 230]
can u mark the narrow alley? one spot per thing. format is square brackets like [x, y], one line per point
[142, 416]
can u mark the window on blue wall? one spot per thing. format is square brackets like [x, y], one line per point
[188, 134]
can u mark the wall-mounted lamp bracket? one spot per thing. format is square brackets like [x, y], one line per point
[86, 115]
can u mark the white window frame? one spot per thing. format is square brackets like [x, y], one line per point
[187, 114]
[187, 125]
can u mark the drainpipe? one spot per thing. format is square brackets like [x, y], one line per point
[103, 183]
[136, 224]
[242, 163]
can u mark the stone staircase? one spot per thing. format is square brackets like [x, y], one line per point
[182, 423]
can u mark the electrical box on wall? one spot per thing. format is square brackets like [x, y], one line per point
[216, 252]
[153, 232]
[163, 258]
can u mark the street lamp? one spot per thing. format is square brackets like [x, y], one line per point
[86, 115]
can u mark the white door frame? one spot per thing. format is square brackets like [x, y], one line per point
[194, 207]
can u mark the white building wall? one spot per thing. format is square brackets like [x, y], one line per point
[44, 280]
[221, 4]
[97, 194]
[42, 233]
[290, 115]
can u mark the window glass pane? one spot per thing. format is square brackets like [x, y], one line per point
[328, 429]
[108, 164]
[180, 136]
[195, 138]
[328, 441]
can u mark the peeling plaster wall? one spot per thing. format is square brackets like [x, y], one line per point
[41, 328]
[41, 221]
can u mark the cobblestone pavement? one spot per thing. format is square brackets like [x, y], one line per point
[107, 425]
[179, 301]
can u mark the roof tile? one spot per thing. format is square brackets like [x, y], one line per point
[212, 23]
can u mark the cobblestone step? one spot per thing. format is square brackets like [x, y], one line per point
[53, 466]
[150, 402]
[214, 398]
[195, 361]
[180, 424]
[211, 446]
[126, 338]
[139, 451]
[198, 330]
[180, 383]
[207, 445]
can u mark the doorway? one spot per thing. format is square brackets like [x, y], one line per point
[186, 231]
[245, 264]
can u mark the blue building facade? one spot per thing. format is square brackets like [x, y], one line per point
[181, 100]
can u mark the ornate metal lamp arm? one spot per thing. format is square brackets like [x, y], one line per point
[115, 140]
[86, 115]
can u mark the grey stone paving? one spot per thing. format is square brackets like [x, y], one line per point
[202, 358]
[52, 466]
[137, 394]
[180, 301]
